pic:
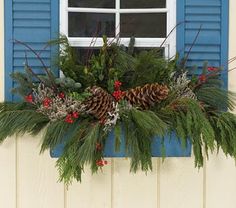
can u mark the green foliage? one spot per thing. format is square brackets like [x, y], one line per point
[18, 119]
[80, 150]
[115, 62]
[140, 127]
[150, 68]
[55, 133]
[25, 82]
[67, 84]
[189, 121]
[224, 125]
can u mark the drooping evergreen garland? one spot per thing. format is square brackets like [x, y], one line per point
[138, 95]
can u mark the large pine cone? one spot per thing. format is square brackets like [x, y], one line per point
[146, 96]
[100, 103]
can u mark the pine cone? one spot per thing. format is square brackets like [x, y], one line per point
[99, 103]
[146, 96]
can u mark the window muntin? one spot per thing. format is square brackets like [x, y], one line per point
[149, 21]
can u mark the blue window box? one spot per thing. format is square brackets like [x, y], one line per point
[172, 147]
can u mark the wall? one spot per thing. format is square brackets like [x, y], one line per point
[30, 180]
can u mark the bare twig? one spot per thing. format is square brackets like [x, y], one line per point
[191, 47]
[38, 57]
[30, 69]
[173, 29]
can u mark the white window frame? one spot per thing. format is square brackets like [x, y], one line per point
[170, 10]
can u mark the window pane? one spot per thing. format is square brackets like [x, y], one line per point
[91, 24]
[92, 3]
[143, 25]
[143, 4]
[84, 54]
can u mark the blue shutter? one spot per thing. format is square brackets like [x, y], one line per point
[34, 22]
[212, 42]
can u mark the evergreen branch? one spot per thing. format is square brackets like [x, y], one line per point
[20, 122]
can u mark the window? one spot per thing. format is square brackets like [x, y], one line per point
[149, 21]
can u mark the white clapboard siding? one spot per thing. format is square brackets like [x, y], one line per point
[181, 185]
[134, 190]
[8, 174]
[36, 176]
[220, 182]
[94, 191]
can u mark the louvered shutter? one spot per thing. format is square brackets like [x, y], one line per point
[34, 22]
[212, 42]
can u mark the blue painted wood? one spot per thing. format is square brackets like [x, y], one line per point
[34, 22]
[212, 43]
[225, 39]
[172, 146]
[8, 47]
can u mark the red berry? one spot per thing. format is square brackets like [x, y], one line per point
[117, 84]
[75, 115]
[69, 119]
[61, 95]
[101, 163]
[47, 102]
[202, 78]
[29, 98]
[117, 95]
[210, 68]
[105, 162]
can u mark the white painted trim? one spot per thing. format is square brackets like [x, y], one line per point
[170, 44]
[99, 10]
[139, 42]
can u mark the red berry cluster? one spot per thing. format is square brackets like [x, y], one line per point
[101, 163]
[70, 118]
[203, 77]
[117, 94]
[29, 98]
[47, 102]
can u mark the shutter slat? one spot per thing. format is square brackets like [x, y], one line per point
[211, 16]
[30, 21]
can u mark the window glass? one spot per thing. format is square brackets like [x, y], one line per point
[91, 24]
[143, 25]
[143, 4]
[92, 3]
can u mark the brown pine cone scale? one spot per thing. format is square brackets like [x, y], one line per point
[100, 103]
[146, 96]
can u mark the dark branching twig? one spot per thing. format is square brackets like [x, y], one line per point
[191, 47]
[30, 69]
[173, 29]
[39, 58]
